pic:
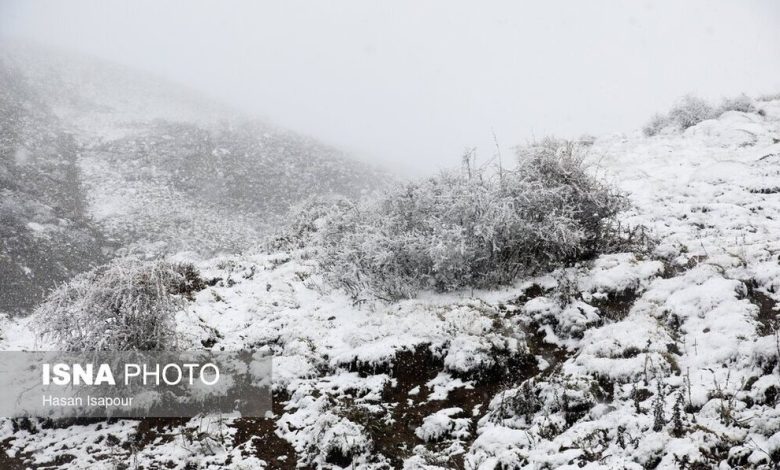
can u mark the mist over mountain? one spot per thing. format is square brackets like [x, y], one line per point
[99, 160]
[46, 233]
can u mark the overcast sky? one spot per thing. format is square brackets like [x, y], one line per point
[412, 83]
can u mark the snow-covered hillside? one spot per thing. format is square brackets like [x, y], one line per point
[666, 361]
[100, 160]
[162, 164]
[45, 233]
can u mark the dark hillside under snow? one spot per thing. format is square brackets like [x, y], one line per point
[46, 236]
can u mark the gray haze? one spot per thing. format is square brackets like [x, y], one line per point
[411, 84]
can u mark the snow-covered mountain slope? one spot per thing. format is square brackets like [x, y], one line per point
[166, 169]
[45, 234]
[104, 161]
[667, 361]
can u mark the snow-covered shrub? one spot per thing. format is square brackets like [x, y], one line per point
[445, 422]
[522, 402]
[322, 438]
[475, 229]
[586, 140]
[305, 219]
[689, 111]
[655, 125]
[125, 305]
[342, 441]
[741, 103]
[769, 97]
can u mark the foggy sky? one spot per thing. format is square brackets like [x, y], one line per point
[412, 83]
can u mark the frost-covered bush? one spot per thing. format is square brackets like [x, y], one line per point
[446, 422]
[769, 97]
[741, 103]
[307, 218]
[655, 125]
[689, 111]
[454, 230]
[125, 305]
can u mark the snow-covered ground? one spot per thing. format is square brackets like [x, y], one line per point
[666, 361]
